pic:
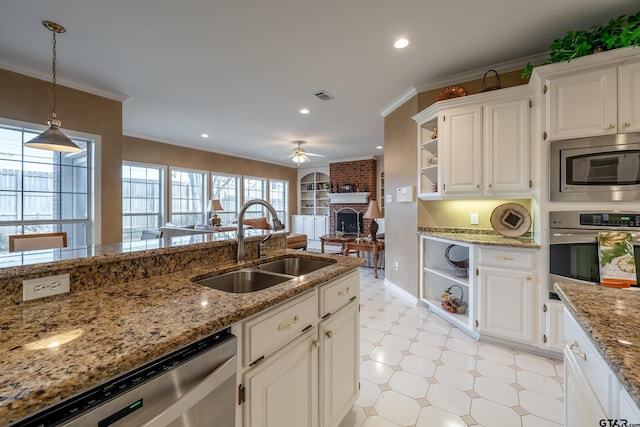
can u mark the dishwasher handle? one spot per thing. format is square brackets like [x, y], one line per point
[193, 396]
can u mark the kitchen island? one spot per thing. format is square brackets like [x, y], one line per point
[609, 319]
[129, 304]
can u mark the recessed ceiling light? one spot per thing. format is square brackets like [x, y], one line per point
[204, 135]
[379, 147]
[401, 43]
[304, 111]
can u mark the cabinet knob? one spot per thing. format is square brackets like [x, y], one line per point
[329, 334]
[477, 324]
[627, 124]
[575, 349]
[478, 186]
[316, 343]
[489, 185]
[612, 126]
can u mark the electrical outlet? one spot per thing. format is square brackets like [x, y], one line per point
[45, 287]
[474, 218]
[396, 267]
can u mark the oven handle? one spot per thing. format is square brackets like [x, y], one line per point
[582, 236]
[211, 382]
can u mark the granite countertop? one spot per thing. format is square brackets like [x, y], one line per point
[479, 237]
[609, 317]
[119, 327]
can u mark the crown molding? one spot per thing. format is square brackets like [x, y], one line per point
[4, 64]
[503, 67]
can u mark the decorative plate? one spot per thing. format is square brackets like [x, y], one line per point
[511, 219]
[450, 92]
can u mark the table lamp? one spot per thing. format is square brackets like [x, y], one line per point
[372, 213]
[214, 206]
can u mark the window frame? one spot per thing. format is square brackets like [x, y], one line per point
[90, 222]
[227, 213]
[205, 192]
[162, 215]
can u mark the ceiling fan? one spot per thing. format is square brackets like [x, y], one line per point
[301, 156]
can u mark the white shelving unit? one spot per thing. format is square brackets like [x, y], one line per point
[429, 173]
[436, 275]
[315, 187]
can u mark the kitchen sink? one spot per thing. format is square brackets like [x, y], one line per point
[294, 266]
[242, 281]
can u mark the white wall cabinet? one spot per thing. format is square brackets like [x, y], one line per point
[461, 135]
[507, 292]
[593, 102]
[482, 146]
[300, 360]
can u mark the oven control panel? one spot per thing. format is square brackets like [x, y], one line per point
[616, 219]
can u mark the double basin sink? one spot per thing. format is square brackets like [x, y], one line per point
[263, 276]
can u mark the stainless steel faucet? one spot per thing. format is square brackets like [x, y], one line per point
[277, 225]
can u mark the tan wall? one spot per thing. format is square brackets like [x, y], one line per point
[401, 219]
[401, 169]
[29, 100]
[145, 151]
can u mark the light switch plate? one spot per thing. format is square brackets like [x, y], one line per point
[389, 198]
[474, 218]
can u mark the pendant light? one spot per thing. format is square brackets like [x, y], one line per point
[53, 139]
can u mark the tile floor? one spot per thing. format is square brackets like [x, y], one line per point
[419, 371]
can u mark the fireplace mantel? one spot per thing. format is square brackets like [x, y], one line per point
[347, 198]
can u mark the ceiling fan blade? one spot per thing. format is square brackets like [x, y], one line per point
[315, 155]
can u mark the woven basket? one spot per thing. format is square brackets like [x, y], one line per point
[461, 267]
[453, 304]
[497, 84]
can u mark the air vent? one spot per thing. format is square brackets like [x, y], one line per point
[323, 95]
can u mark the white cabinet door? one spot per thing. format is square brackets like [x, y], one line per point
[583, 104]
[283, 391]
[506, 147]
[506, 299]
[554, 330]
[321, 226]
[461, 139]
[581, 405]
[309, 226]
[339, 364]
[629, 97]
[298, 224]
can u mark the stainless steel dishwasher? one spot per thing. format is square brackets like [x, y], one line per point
[192, 387]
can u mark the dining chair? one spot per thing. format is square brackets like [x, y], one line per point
[29, 242]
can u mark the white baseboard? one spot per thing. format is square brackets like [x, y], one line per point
[403, 293]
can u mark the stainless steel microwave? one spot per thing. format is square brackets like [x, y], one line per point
[599, 168]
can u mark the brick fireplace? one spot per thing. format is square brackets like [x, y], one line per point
[360, 174]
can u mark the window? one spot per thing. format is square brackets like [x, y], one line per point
[226, 188]
[255, 188]
[188, 195]
[278, 197]
[43, 191]
[142, 199]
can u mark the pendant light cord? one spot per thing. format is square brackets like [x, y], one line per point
[53, 80]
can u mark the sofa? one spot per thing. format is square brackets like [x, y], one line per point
[294, 240]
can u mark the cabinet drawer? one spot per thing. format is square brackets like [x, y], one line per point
[588, 359]
[338, 293]
[266, 333]
[507, 258]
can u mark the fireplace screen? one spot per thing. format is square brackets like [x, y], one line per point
[348, 221]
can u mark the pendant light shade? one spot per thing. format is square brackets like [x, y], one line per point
[53, 139]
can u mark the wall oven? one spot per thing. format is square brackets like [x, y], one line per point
[600, 168]
[573, 247]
